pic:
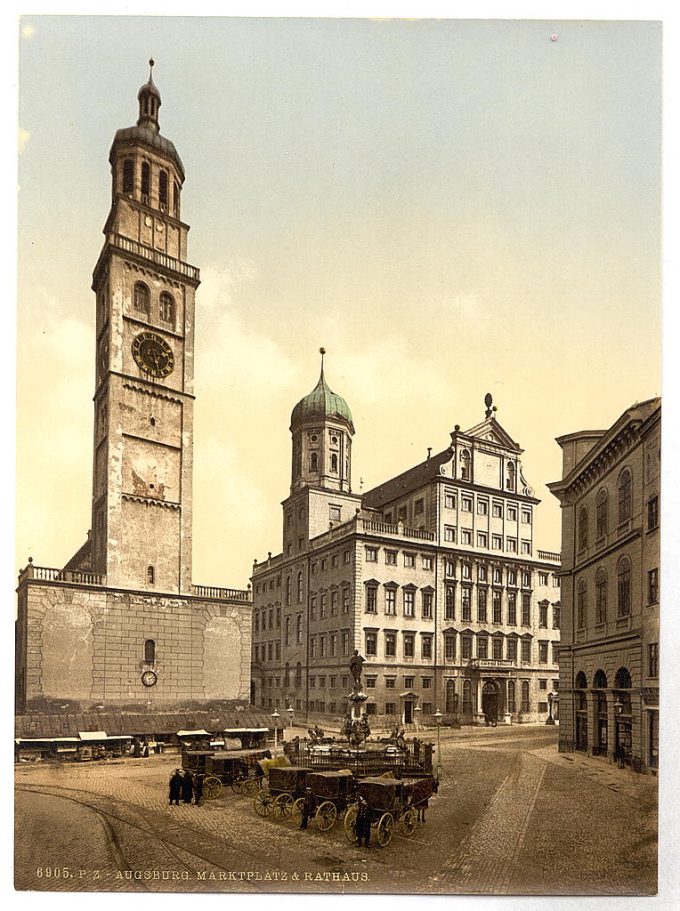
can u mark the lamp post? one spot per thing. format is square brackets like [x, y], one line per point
[290, 714]
[416, 711]
[550, 719]
[438, 720]
[276, 716]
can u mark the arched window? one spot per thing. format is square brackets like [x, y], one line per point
[141, 297]
[286, 635]
[583, 528]
[298, 675]
[581, 604]
[175, 199]
[299, 588]
[601, 596]
[163, 190]
[128, 176]
[298, 636]
[511, 476]
[166, 308]
[149, 650]
[625, 495]
[287, 589]
[286, 676]
[314, 461]
[623, 681]
[256, 621]
[146, 181]
[600, 680]
[465, 465]
[581, 681]
[512, 698]
[525, 696]
[150, 575]
[623, 587]
[334, 462]
[602, 514]
[467, 697]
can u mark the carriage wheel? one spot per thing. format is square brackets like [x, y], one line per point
[296, 812]
[350, 824]
[249, 787]
[212, 787]
[263, 803]
[408, 822]
[283, 806]
[326, 815]
[385, 828]
[236, 784]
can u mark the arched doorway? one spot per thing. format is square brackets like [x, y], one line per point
[624, 713]
[490, 700]
[581, 709]
[601, 744]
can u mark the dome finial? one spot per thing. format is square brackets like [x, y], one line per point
[152, 63]
[322, 352]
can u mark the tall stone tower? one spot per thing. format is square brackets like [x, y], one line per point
[143, 401]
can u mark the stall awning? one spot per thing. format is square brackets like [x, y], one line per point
[20, 740]
[92, 735]
[200, 733]
[245, 730]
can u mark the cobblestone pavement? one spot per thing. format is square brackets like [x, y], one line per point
[512, 816]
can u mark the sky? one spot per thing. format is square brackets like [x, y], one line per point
[449, 207]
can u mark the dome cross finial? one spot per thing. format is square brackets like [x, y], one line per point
[322, 352]
[152, 63]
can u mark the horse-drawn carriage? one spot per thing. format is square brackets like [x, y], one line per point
[238, 769]
[391, 804]
[284, 792]
[332, 795]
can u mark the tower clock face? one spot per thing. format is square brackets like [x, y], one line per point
[149, 678]
[153, 354]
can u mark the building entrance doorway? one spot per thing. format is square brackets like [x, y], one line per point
[490, 700]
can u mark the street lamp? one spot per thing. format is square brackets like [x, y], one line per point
[438, 720]
[417, 710]
[290, 714]
[276, 716]
[550, 719]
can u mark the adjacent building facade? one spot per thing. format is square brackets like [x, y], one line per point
[609, 656]
[434, 576]
[122, 621]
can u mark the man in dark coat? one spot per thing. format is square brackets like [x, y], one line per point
[363, 823]
[307, 808]
[175, 787]
[198, 790]
[187, 787]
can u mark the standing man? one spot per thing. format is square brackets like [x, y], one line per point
[363, 823]
[187, 787]
[175, 787]
[307, 808]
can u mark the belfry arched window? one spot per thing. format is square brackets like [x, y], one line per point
[299, 588]
[334, 463]
[582, 528]
[581, 604]
[600, 680]
[149, 650]
[141, 297]
[146, 181]
[581, 681]
[163, 190]
[625, 490]
[314, 461]
[128, 176]
[166, 308]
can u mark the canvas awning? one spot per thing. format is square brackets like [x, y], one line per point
[20, 740]
[246, 730]
[200, 733]
[93, 735]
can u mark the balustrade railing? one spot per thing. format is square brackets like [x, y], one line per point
[155, 256]
[223, 594]
[550, 556]
[72, 576]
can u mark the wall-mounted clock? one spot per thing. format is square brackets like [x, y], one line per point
[152, 354]
[149, 678]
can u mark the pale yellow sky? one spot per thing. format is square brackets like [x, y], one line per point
[450, 208]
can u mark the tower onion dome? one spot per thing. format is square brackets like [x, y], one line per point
[320, 404]
[147, 130]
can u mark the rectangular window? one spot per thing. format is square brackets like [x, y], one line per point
[450, 568]
[334, 604]
[497, 606]
[526, 547]
[466, 571]
[526, 609]
[496, 542]
[409, 560]
[449, 604]
[449, 533]
[543, 684]
[555, 648]
[449, 647]
[427, 708]
[390, 683]
[409, 645]
[466, 504]
[391, 557]
[653, 586]
[333, 642]
[390, 645]
[419, 508]
[371, 644]
[512, 513]
[482, 507]
[346, 556]
[482, 539]
[512, 608]
[390, 708]
[466, 647]
[371, 599]
[449, 499]
[543, 652]
[370, 683]
[402, 514]
[466, 603]
[345, 600]
[322, 607]
[652, 513]
[526, 516]
[481, 573]
[427, 605]
[334, 513]
[542, 578]
[312, 683]
[497, 647]
[526, 651]
[322, 646]
[335, 560]
[497, 510]
[409, 682]
[322, 681]
[555, 617]
[511, 545]
[481, 605]
[427, 562]
[345, 649]
[465, 536]
[391, 601]
[427, 683]
[371, 554]
[409, 602]
[483, 647]
[543, 616]
[426, 647]
[312, 647]
[653, 659]
[512, 649]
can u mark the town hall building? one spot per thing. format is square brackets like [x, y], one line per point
[122, 623]
[434, 576]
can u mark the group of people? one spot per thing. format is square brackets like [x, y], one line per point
[185, 787]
